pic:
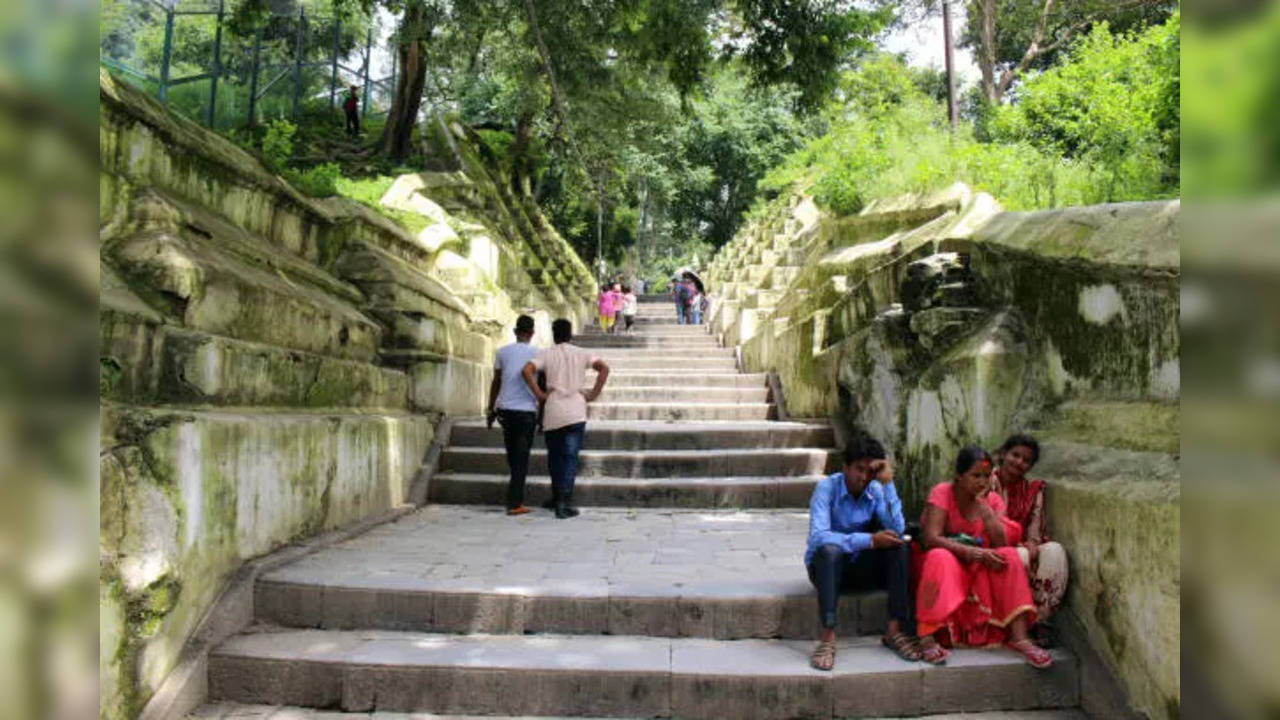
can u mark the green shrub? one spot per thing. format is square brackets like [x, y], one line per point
[277, 143]
[319, 181]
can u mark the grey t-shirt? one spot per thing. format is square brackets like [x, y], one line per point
[509, 361]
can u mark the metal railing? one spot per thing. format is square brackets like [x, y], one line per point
[262, 77]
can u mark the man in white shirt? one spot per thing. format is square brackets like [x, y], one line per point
[511, 403]
[564, 418]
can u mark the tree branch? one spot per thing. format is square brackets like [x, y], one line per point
[1035, 50]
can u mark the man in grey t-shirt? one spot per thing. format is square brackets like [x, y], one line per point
[514, 406]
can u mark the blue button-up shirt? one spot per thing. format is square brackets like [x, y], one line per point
[838, 518]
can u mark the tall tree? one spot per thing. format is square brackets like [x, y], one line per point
[1009, 37]
[418, 21]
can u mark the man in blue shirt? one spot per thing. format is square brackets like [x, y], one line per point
[512, 404]
[856, 542]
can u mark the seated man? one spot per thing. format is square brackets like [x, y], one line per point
[855, 526]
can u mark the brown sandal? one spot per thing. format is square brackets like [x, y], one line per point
[933, 653]
[824, 656]
[903, 645]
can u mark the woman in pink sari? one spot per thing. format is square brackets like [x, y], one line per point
[973, 589]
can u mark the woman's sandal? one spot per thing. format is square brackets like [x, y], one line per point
[824, 656]
[904, 645]
[933, 653]
[1036, 656]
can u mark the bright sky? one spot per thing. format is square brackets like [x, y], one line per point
[924, 48]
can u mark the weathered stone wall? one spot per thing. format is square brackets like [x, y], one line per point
[274, 366]
[936, 321]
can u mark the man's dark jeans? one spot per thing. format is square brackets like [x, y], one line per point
[563, 445]
[832, 573]
[517, 435]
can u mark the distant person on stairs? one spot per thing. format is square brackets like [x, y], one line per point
[605, 309]
[629, 307]
[856, 543]
[565, 416]
[680, 294]
[351, 106]
[512, 405]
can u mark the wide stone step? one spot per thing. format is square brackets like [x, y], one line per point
[242, 711]
[640, 435]
[672, 343]
[671, 356]
[705, 573]
[680, 411]
[362, 671]
[695, 378]
[717, 492]
[684, 394]
[665, 363]
[655, 463]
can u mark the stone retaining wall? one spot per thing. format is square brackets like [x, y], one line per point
[274, 366]
[938, 320]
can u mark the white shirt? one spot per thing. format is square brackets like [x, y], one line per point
[565, 366]
[629, 304]
[514, 394]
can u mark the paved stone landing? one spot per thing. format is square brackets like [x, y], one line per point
[666, 573]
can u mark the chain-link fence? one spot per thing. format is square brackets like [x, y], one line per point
[205, 61]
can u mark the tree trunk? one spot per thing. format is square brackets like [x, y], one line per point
[397, 135]
[986, 55]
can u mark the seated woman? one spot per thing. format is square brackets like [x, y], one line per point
[1023, 499]
[973, 589]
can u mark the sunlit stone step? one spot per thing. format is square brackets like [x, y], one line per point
[655, 463]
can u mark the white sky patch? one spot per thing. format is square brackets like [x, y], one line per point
[922, 43]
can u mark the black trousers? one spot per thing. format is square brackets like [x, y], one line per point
[517, 435]
[832, 573]
[353, 122]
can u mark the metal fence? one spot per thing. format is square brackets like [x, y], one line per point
[215, 90]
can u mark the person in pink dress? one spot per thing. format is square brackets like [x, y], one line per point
[973, 589]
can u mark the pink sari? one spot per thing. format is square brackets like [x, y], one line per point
[971, 603]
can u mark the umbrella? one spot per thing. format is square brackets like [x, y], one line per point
[696, 280]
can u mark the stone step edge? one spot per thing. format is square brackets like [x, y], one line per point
[719, 610]
[739, 492]
[223, 710]
[656, 454]
[621, 675]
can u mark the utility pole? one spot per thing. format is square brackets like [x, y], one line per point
[952, 111]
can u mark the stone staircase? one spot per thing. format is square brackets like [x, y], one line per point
[679, 591]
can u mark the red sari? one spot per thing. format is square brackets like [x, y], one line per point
[968, 604]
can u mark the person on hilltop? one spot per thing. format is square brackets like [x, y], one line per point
[351, 107]
[629, 306]
[973, 589]
[855, 542]
[565, 415]
[515, 408]
[1022, 501]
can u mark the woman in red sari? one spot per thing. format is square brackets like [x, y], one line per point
[1023, 501]
[973, 589]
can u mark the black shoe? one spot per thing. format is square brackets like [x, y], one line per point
[564, 511]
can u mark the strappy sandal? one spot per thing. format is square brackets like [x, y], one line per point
[1036, 656]
[933, 653]
[824, 656]
[903, 645]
